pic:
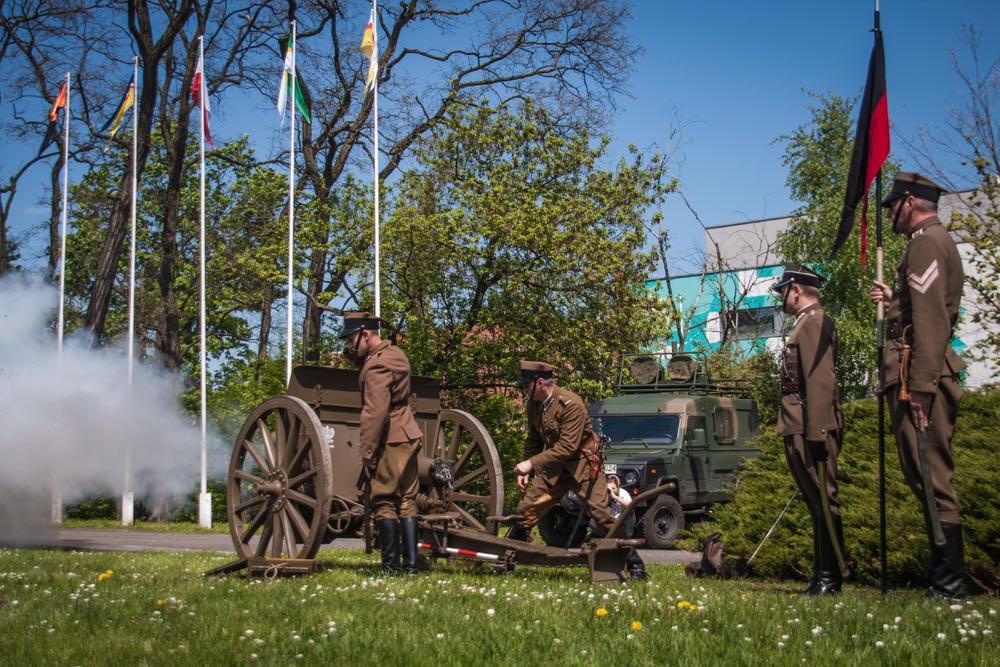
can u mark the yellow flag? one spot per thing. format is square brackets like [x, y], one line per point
[370, 49]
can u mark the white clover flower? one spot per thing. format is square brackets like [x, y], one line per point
[816, 631]
[249, 633]
[880, 644]
[439, 635]
[955, 607]
[942, 636]
[491, 612]
[781, 644]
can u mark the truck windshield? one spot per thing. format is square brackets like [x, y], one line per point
[619, 428]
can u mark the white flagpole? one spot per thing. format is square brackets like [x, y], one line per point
[56, 507]
[291, 209]
[378, 282]
[204, 499]
[128, 497]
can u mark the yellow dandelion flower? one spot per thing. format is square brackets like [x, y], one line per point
[601, 613]
[161, 602]
[104, 575]
[744, 596]
[636, 625]
[683, 604]
[694, 607]
[792, 596]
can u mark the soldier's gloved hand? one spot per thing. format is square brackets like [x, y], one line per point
[369, 461]
[817, 449]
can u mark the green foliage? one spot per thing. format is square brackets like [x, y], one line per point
[765, 486]
[818, 157]
[156, 609]
[510, 241]
[93, 508]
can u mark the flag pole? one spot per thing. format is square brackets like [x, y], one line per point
[204, 499]
[291, 211]
[880, 354]
[56, 507]
[378, 282]
[128, 498]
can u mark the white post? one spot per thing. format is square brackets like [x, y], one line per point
[128, 498]
[291, 210]
[57, 505]
[204, 498]
[378, 281]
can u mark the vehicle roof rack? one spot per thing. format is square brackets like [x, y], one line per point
[649, 372]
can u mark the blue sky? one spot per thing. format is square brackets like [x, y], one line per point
[733, 75]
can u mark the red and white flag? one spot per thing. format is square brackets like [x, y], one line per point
[196, 92]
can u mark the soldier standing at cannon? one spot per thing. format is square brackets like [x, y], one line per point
[560, 456]
[811, 422]
[920, 369]
[390, 438]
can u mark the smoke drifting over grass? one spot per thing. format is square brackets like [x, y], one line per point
[69, 422]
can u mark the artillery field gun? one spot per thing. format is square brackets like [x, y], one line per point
[294, 484]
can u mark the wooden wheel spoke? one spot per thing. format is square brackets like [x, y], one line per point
[267, 436]
[456, 437]
[249, 503]
[254, 524]
[468, 518]
[252, 450]
[468, 477]
[469, 498]
[278, 536]
[296, 460]
[301, 479]
[286, 526]
[301, 498]
[265, 537]
[466, 455]
[295, 454]
[247, 477]
[297, 521]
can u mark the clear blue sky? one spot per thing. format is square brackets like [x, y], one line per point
[734, 72]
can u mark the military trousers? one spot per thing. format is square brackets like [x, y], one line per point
[394, 488]
[802, 466]
[944, 412]
[546, 490]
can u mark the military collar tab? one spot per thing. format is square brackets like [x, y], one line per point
[924, 225]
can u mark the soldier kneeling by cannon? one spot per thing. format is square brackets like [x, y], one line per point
[561, 455]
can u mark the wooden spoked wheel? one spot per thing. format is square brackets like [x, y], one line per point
[477, 489]
[280, 482]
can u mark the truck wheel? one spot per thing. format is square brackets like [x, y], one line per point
[557, 524]
[663, 522]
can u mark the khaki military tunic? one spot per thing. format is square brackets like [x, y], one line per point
[924, 308]
[810, 404]
[386, 417]
[556, 428]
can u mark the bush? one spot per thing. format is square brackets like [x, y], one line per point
[765, 486]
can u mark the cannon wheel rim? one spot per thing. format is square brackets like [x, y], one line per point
[463, 438]
[301, 482]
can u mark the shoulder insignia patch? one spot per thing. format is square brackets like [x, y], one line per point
[922, 283]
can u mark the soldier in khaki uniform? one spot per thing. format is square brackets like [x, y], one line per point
[559, 433]
[923, 308]
[810, 419]
[390, 438]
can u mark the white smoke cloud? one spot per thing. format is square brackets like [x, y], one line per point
[70, 422]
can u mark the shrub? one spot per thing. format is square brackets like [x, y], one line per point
[765, 486]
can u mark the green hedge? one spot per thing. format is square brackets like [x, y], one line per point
[765, 486]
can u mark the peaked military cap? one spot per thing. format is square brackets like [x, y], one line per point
[798, 273]
[908, 183]
[356, 320]
[532, 370]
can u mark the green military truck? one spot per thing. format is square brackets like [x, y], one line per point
[669, 424]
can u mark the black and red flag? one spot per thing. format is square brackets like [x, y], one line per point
[871, 148]
[50, 132]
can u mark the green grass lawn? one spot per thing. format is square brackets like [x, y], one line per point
[150, 526]
[82, 608]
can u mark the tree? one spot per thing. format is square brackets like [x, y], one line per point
[570, 55]
[818, 157]
[972, 142]
[509, 241]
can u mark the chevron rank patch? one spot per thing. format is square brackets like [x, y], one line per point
[922, 282]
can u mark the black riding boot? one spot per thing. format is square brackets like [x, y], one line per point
[409, 530]
[947, 563]
[636, 568]
[388, 537]
[827, 577]
[519, 533]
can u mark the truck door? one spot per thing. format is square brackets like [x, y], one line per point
[699, 471]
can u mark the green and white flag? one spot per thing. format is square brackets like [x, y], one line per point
[288, 76]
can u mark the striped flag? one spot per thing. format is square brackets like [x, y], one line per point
[288, 76]
[369, 47]
[128, 99]
[196, 91]
[50, 132]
